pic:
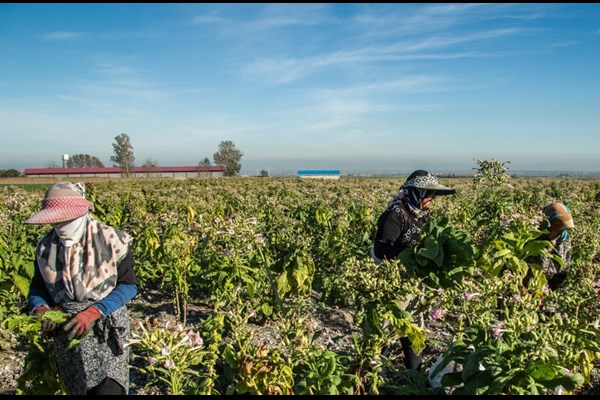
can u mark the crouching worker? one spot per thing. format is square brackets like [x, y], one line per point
[399, 228]
[84, 268]
[558, 221]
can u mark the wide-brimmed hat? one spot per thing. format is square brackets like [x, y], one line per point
[424, 180]
[64, 201]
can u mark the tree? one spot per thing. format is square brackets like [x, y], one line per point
[84, 161]
[150, 162]
[205, 162]
[9, 173]
[123, 156]
[229, 157]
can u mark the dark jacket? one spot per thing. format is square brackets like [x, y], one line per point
[397, 229]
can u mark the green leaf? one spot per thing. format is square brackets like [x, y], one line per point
[502, 253]
[300, 273]
[536, 247]
[542, 372]
[439, 259]
[430, 248]
[283, 286]
[421, 261]
[21, 283]
[372, 315]
[330, 366]
[266, 309]
[570, 382]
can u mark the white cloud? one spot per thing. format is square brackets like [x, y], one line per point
[62, 35]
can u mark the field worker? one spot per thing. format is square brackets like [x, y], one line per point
[86, 269]
[558, 220]
[398, 228]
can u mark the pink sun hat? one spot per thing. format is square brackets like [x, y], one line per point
[64, 201]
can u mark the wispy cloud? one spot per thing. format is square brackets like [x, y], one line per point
[212, 18]
[287, 70]
[256, 20]
[108, 68]
[125, 88]
[62, 35]
[352, 107]
[405, 20]
[133, 34]
[108, 35]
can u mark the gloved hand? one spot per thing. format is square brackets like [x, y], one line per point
[82, 323]
[47, 324]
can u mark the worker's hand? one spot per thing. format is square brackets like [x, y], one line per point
[47, 324]
[82, 323]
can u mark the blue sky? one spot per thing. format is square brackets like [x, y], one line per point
[375, 87]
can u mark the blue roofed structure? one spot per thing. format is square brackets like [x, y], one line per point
[319, 173]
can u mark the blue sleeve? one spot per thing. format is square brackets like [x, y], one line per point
[36, 297]
[38, 293]
[120, 296]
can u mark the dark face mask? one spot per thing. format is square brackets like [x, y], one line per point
[416, 195]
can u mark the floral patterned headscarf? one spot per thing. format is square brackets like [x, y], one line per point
[418, 186]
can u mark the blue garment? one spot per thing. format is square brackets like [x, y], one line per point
[36, 298]
[117, 298]
[120, 295]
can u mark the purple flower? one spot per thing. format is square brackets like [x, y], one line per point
[497, 330]
[437, 313]
[195, 338]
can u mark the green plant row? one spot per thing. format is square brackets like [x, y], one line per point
[271, 252]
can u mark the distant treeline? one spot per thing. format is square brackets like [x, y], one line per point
[10, 173]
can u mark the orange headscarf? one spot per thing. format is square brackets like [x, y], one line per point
[559, 220]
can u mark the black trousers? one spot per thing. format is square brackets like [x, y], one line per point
[107, 386]
[411, 360]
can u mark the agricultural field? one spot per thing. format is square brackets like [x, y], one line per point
[266, 286]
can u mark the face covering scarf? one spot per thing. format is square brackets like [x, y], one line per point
[70, 232]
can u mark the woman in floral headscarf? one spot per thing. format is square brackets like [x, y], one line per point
[84, 268]
[398, 228]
